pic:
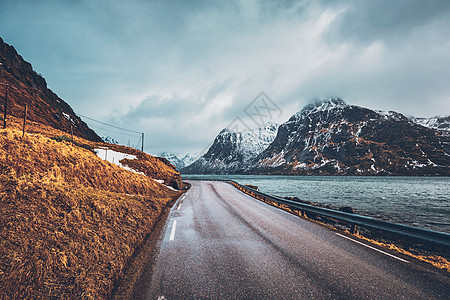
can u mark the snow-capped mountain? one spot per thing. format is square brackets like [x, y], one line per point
[180, 163]
[332, 137]
[233, 151]
[110, 140]
[190, 158]
[438, 122]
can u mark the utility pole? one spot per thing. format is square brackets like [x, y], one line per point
[24, 120]
[142, 142]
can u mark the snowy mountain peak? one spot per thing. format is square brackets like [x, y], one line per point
[317, 105]
[110, 140]
[323, 105]
[180, 163]
[271, 126]
[232, 150]
[438, 122]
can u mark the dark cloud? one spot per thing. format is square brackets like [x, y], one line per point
[368, 21]
[183, 70]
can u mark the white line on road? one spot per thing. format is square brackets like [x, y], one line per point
[179, 206]
[172, 234]
[385, 253]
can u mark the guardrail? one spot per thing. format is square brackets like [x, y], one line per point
[430, 236]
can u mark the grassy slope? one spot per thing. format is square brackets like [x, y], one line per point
[69, 221]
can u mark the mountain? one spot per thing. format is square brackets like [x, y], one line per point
[190, 158]
[110, 140]
[331, 137]
[438, 122]
[233, 152]
[180, 163]
[26, 87]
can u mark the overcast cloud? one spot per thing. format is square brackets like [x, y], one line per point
[180, 71]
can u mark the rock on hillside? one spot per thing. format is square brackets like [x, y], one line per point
[26, 87]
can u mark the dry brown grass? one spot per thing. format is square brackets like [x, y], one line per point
[435, 260]
[69, 221]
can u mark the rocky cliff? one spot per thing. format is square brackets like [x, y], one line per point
[26, 87]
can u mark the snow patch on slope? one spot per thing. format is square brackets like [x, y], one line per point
[115, 157]
[438, 122]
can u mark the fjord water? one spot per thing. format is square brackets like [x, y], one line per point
[416, 201]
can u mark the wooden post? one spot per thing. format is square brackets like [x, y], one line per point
[142, 142]
[24, 120]
[6, 106]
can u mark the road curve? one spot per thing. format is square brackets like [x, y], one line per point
[222, 244]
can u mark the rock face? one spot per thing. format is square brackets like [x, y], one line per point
[233, 152]
[26, 87]
[332, 138]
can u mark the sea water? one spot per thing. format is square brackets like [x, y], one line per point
[416, 201]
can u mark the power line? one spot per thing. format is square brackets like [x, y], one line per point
[110, 125]
[117, 132]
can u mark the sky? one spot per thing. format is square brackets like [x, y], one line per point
[181, 71]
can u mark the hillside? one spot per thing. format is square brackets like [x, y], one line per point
[70, 220]
[26, 87]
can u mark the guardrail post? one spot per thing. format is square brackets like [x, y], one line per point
[354, 229]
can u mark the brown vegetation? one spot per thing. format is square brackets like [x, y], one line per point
[70, 221]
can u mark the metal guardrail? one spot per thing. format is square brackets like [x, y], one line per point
[430, 236]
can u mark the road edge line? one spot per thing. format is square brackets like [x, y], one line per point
[373, 248]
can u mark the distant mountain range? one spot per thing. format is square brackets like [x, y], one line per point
[110, 140]
[180, 163]
[26, 87]
[440, 123]
[330, 137]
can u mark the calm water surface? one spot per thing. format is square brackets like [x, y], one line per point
[416, 201]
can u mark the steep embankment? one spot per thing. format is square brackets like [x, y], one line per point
[25, 87]
[70, 221]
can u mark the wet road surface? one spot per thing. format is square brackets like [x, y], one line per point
[222, 244]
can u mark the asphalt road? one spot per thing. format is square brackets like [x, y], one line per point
[222, 244]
